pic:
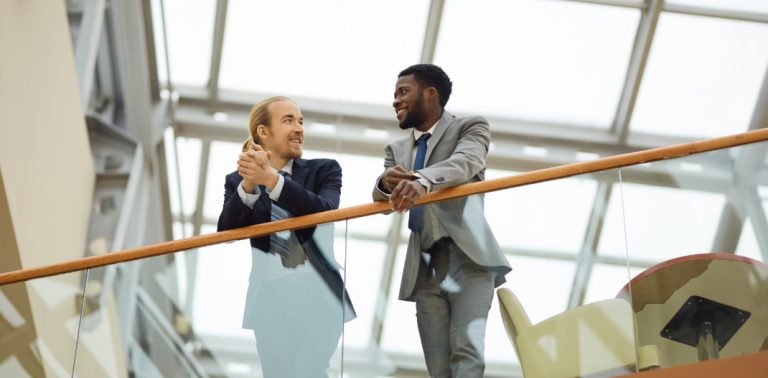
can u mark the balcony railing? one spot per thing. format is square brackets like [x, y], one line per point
[705, 197]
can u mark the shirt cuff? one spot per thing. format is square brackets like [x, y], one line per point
[423, 181]
[274, 194]
[249, 199]
[380, 188]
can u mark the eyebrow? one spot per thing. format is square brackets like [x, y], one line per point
[292, 116]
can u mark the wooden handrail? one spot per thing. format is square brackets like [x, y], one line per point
[532, 177]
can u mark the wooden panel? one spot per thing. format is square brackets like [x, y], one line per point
[754, 365]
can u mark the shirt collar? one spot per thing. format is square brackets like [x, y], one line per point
[288, 167]
[417, 134]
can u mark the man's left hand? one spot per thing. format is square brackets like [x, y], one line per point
[405, 195]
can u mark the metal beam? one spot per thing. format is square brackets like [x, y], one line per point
[237, 105]
[431, 31]
[219, 26]
[87, 47]
[106, 105]
[730, 225]
[191, 258]
[165, 190]
[716, 13]
[759, 222]
[749, 160]
[646, 31]
[152, 50]
[640, 4]
[132, 66]
[507, 152]
[388, 270]
[202, 178]
[588, 250]
[760, 114]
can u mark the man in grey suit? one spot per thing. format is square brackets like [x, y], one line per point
[453, 262]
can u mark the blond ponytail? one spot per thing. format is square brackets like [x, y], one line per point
[248, 145]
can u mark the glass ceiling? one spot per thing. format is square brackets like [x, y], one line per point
[546, 65]
[686, 90]
[537, 60]
[189, 25]
[339, 50]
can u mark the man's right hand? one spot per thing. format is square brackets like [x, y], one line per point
[253, 167]
[393, 176]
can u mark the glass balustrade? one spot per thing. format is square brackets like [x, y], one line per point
[548, 232]
[39, 325]
[668, 254]
[230, 310]
[696, 246]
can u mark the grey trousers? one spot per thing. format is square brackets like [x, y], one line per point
[452, 304]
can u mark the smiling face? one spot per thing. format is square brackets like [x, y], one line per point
[285, 134]
[409, 103]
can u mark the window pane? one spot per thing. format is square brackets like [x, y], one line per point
[537, 60]
[400, 333]
[606, 281]
[526, 217]
[702, 78]
[660, 222]
[732, 5]
[359, 174]
[190, 32]
[220, 286]
[342, 49]
[221, 162]
[532, 282]
[363, 274]
[189, 150]
[748, 243]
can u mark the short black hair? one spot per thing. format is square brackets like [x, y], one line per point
[431, 75]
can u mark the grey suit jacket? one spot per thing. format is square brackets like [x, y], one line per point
[456, 155]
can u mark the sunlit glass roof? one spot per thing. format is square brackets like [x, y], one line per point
[567, 78]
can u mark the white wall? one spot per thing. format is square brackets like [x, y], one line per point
[44, 152]
[47, 174]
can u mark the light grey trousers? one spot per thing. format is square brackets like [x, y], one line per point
[452, 304]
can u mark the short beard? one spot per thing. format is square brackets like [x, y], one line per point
[412, 120]
[416, 116]
[296, 155]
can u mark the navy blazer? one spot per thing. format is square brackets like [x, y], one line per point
[314, 186]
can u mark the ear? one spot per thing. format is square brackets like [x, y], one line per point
[430, 93]
[261, 131]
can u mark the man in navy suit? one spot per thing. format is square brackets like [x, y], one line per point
[296, 302]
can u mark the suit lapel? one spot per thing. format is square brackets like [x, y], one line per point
[404, 148]
[299, 174]
[445, 121]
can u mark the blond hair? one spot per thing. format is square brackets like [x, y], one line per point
[260, 116]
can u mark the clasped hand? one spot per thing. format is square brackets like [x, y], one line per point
[404, 188]
[253, 167]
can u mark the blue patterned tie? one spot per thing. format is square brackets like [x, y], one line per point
[416, 214]
[280, 242]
